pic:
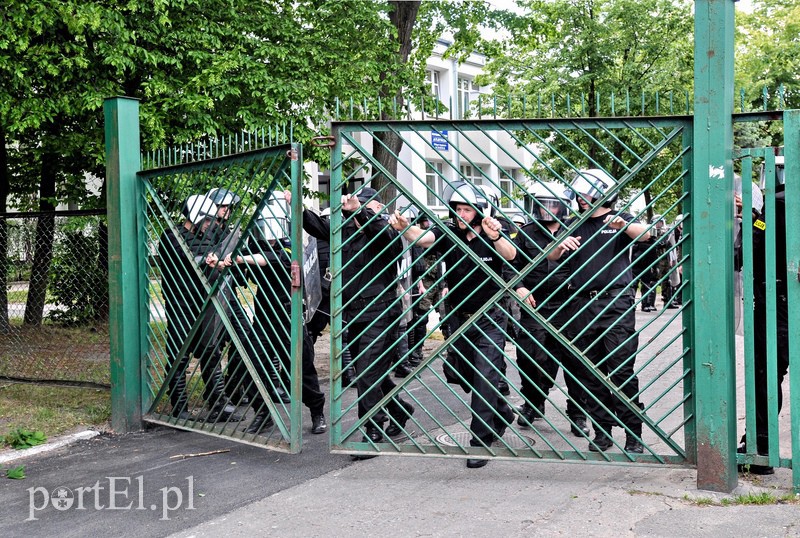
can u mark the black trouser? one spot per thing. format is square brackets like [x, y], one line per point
[760, 336]
[236, 371]
[320, 319]
[270, 333]
[648, 283]
[608, 323]
[369, 333]
[203, 347]
[539, 356]
[480, 346]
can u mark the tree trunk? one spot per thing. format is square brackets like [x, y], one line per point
[5, 326]
[387, 147]
[43, 256]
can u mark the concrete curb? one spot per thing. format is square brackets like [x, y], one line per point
[47, 447]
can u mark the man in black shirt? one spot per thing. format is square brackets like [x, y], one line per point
[603, 320]
[268, 258]
[470, 287]
[180, 257]
[760, 334]
[370, 250]
[539, 354]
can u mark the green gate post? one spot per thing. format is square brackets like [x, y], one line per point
[124, 200]
[791, 141]
[711, 226]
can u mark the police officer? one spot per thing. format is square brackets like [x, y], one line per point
[225, 239]
[269, 261]
[760, 332]
[644, 264]
[603, 322]
[481, 345]
[322, 316]
[370, 250]
[665, 255]
[183, 292]
[539, 354]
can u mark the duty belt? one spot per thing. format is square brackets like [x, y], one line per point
[599, 294]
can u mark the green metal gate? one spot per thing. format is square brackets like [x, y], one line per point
[454, 401]
[224, 337]
[770, 309]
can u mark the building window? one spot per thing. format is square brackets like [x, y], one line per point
[466, 91]
[508, 182]
[471, 174]
[432, 79]
[434, 182]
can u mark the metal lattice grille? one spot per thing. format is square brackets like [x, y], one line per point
[55, 328]
[590, 347]
[224, 335]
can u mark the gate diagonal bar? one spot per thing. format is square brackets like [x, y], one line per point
[225, 328]
[464, 352]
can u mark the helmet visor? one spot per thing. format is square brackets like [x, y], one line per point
[589, 186]
[273, 229]
[549, 210]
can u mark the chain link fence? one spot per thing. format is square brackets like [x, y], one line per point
[54, 324]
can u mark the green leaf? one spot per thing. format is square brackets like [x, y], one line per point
[22, 438]
[16, 473]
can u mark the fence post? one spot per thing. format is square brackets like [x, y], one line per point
[123, 195]
[791, 171]
[711, 227]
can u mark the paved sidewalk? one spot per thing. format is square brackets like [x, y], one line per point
[246, 491]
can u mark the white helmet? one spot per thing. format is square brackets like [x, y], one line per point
[199, 207]
[757, 198]
[273, 221]
[592, 183]
[461, 192]
[550, 202]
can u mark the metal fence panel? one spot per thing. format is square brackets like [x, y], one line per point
[767, 267]
[63, 340]
[225, 337]
[487, 383]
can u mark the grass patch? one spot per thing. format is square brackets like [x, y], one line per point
[51, 410]
[699, 501]
[762, 498]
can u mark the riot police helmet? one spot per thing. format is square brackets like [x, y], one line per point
[223, 197]
[550, 202]
[592, 184]
[199, 207]
[273, 220]
[461, 192]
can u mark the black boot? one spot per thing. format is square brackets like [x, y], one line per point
[318, 424]
[397, 425]
[261, 421]
[601, 441]
[402, 370]
[578, 428]
[632, 444]
[221, 408]
[177, 395]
